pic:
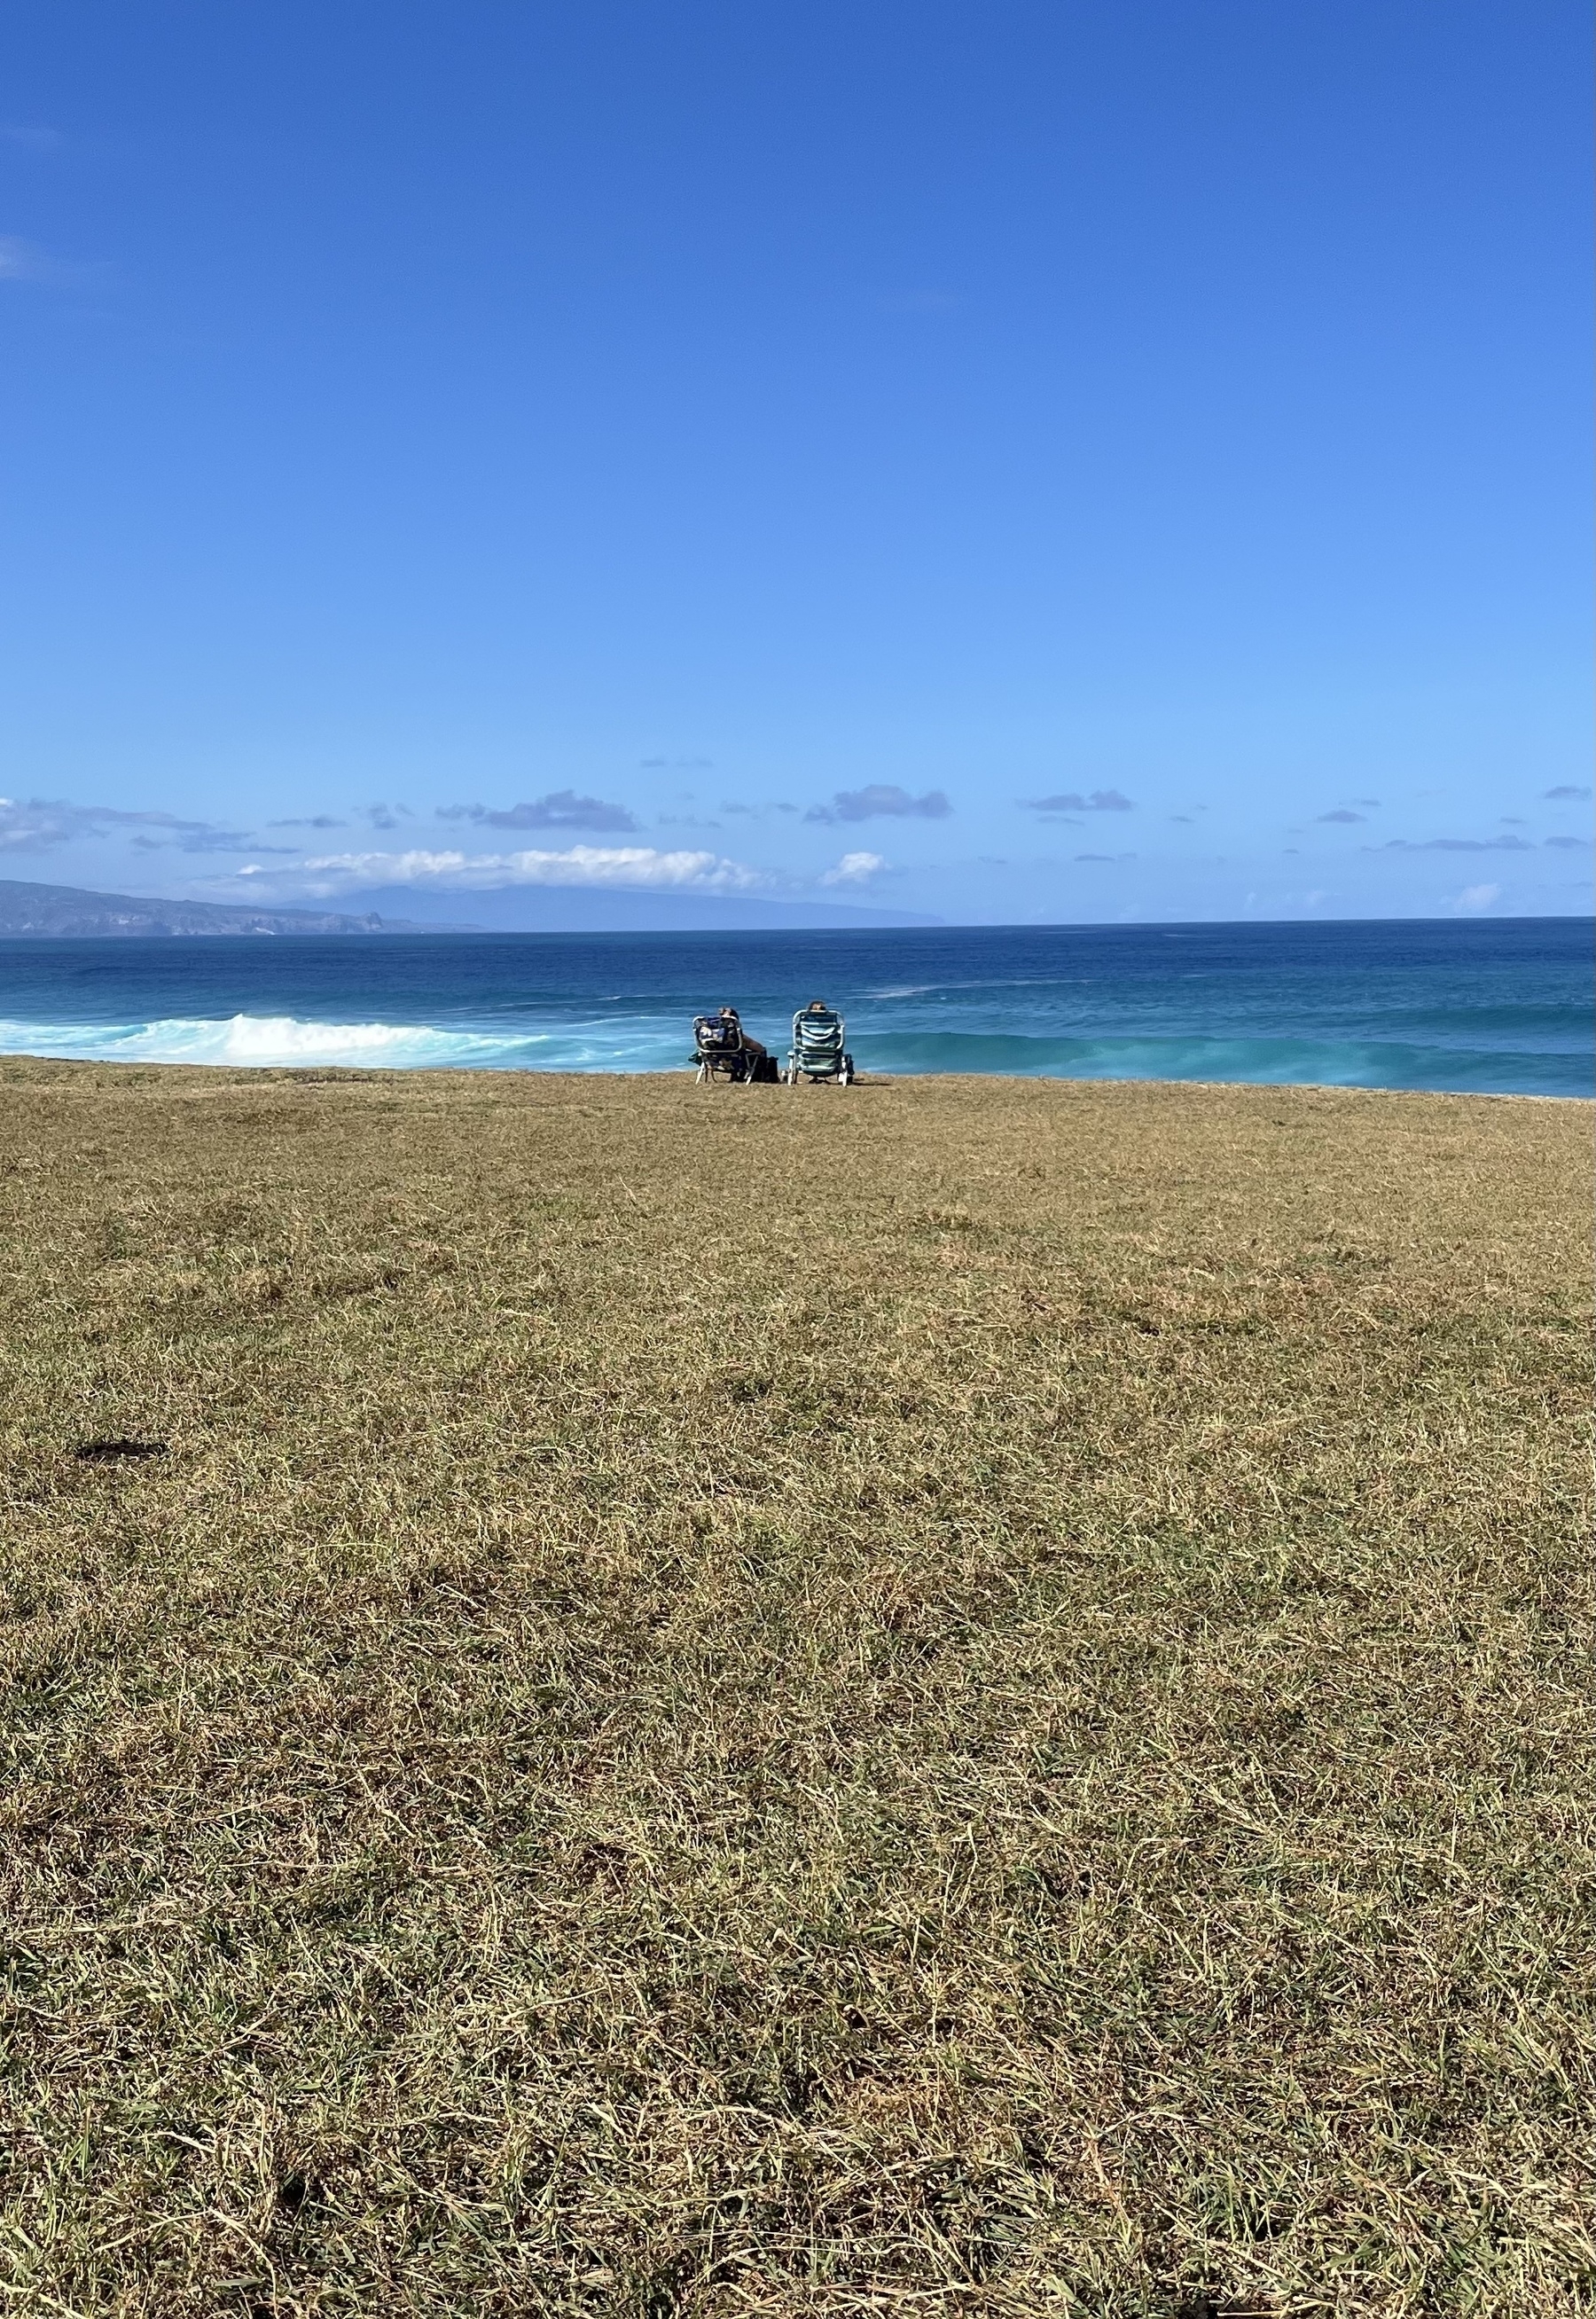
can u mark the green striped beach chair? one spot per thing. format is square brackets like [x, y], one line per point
[820, 1047]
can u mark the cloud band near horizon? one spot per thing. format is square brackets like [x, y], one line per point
[641, 866]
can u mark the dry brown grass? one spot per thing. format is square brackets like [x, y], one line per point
[957, 1697]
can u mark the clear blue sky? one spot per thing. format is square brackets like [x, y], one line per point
[778, 448]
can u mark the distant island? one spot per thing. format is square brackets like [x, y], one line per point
[29, 909]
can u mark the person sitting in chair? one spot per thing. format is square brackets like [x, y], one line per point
[818, 1032]
[746, 1045]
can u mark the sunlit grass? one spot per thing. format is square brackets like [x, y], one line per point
[950, 1696]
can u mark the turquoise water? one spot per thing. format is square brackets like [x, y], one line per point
[1497, 1005]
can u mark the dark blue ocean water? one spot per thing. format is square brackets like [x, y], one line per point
[1502, 1006]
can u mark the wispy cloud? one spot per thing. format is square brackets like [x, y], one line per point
[1073, 801]
[1475, 897]
[20, 261]
[1105, 857]
[560, 809]
[879, 800]
[33, 825]
[210, 841]
[28, 827]
[853, 870]
[30, 137]
[1452, 845]
[311, 821]
[1565, 791]
[1571, 844]
[580, 865]
[676, 764]
[24, 261]
[1341, 813]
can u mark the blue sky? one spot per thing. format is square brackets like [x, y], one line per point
[1013, 461]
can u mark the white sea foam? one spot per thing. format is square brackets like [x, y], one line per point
[285, 1042]
[979, 982]
[264, 1040]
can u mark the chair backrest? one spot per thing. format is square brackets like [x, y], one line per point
[713, 1035]
[819, 1033]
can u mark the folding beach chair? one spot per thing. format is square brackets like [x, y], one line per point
[820, 1047]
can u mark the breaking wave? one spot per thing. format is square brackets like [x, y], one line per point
[283, 1042]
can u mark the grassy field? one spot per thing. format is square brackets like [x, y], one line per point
[957, 1697]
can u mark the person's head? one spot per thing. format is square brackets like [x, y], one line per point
[818, 1006]
[728, 1015]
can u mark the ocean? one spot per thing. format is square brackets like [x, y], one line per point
[1500, 1007]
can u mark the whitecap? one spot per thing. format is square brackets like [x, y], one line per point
[264, 1040]
[287, 1041]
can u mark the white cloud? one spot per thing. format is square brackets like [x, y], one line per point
[853, 870]
[693, 872]
[1476, 898]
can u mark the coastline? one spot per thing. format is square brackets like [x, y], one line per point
[357, 1074]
